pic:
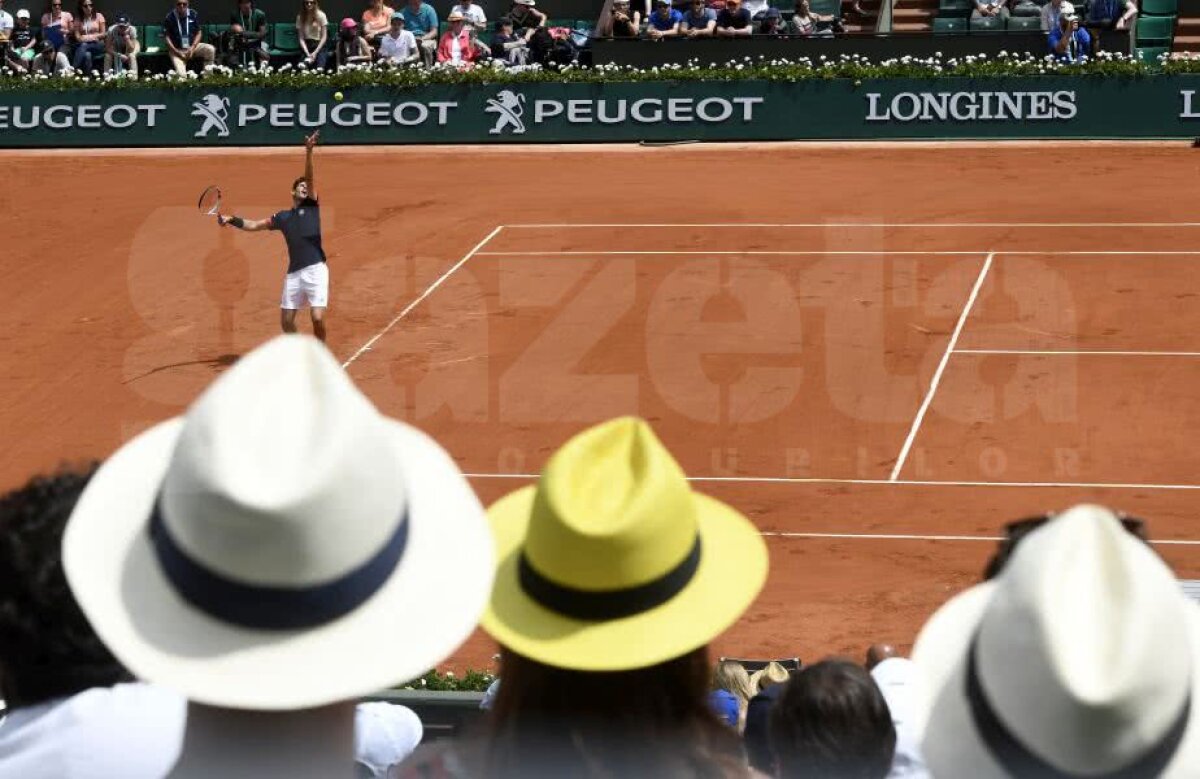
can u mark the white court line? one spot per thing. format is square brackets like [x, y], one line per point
[869, 253]
[1078, 352]
[937, 376]
[1080, 485]
[931, 225]
[913, 537]
[365, 347]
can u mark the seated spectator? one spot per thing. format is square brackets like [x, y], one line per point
[771, 23]
[312, 28]
[899, 682]
[375, 21]
[239, 621]
[1052, 10]
[6, 24]
[625, 23]
[733, 21]
[477, 20]
[49, 62]
[455, 46]
[121, 48]
[757, 736]
[398, 46]
[71, 712]
[525, 16]
[598, 683]
[989, 8]
[181, 31]
[507, 46]
[806, 23]
[352, 48]
[248, 26]
[1079, 659]
[832, 721]
[757, 8]
[87, 31]
[422, 21]
[22, 45]
[56, 26]
[769, 675]
[731, 677]
[1069, 42]
[699, 21]
[664, 22]
[1110, 15]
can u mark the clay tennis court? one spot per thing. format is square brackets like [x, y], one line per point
[879, 353]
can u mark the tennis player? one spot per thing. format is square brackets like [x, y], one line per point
[307, 274]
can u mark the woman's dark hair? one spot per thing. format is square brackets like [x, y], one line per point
[47, 648]
[832, 722]
[652, 721]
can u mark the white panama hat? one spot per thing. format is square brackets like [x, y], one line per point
[282, 545]
[1082, 658]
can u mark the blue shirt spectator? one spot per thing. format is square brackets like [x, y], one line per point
[182, 25]
[1073, 46]
[421, 19]
[699, 19]
[724, 704]
[664, 17]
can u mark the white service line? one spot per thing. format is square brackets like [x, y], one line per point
[946, 225]
[914, 537]
[1077, 352]
[857, 252]
[1079, 485]
[937, 375]
[365, 347]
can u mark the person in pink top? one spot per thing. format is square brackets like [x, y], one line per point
[87, 30]
[57, 25]
[376, 21]
[455, 46]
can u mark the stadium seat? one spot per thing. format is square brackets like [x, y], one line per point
[824, 7]
[213, 32]
[955, 7]
[1024, 23]
[1159, 7]
[949, 24]
[152, 40]
[1150, 54]
[987, 24]
[1154, 29]
[790, 664]
[285, 41]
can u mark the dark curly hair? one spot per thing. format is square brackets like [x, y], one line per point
[47, 648]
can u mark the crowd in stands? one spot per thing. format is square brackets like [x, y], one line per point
[215, 597]
[85, 42]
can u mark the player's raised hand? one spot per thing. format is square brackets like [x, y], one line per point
[311, 140]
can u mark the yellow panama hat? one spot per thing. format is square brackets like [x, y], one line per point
[612, 562]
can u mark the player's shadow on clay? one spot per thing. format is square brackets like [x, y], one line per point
[217, 364]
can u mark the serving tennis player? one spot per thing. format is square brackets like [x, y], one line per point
[307, 277]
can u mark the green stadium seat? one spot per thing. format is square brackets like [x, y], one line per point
[153, 42]
[949, 24]
[987, 24]
[213, 32]
[1159, 7]
[955, 7]
[1024, 23]
[1150, 54]
[285, 40]
[1151, 29]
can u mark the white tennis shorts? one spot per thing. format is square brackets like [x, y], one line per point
[309, 284]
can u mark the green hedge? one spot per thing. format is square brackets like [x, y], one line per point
[844, 67]
[472, 681]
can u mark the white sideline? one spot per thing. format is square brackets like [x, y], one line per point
[1078, 485]
[857, 252]
[1078, 352]
[913, 537]
[365, 347]
[937, 375]
[931, 225]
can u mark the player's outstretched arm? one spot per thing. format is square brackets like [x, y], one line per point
[309, 143]
[250, 225]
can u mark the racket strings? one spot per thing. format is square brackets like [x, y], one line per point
[210, 201]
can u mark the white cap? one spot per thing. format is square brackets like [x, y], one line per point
[23, 14]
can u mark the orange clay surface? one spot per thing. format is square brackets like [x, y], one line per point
[785, 355]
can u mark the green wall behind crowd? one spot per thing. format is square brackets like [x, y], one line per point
[952, 108]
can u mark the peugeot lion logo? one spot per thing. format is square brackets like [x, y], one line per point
[509, 106]
[213, 110]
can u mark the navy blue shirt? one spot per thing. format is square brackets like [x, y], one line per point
[301, 228]
[181, 31]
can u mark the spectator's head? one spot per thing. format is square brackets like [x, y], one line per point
[309, 9]
[281, 525]
[772, 674]
[245, 6]
[121, 19]
[530, 3]
[47, 51]
[771, 20]
[85, 9]
[47, 648]
[504, 25]
[621, 7]
[662, 7]
[23, 17]
[397, 21]
[181, 8]
[832, 721]
[614, 575]
[348, 30]
[730, 675]
[877, 653]
[803, 8]
[1081, 658]
[456, 21]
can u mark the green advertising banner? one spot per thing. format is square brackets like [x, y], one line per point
[949, 108]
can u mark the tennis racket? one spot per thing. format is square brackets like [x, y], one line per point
[210, 201]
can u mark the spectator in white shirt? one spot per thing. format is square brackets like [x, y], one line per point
[898, 680]
[1052, 10]
[398, 46]
[50, 62]
[475, 18]
[6, 23]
